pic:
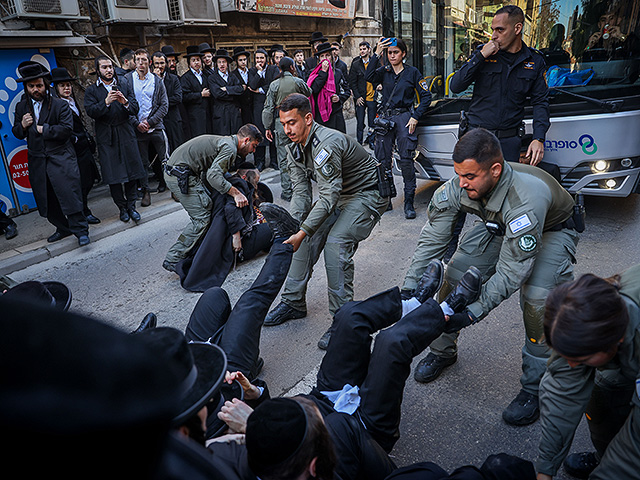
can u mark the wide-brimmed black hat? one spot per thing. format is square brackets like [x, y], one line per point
[317, 37]
[61, 74]
[169, 51]
[95, 395]
[31, 70]
[324, 47]
[215, 426]
[193, 51]
[277, 48]
[237, 51]
[200, 366]
[222, 53]
[262, 50]
[205, 47]
[54, 294]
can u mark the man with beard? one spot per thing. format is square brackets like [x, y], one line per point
[173, 119]
[47, 125]
[195, 93]
[260, 77]
[197, 167]
[112, 104]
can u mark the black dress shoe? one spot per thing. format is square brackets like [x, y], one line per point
[580, 465]
[124, 215]
[466, 291]
[11, 231]
[92, 219]
[523, 410]
[135, 216]
[149, 321]
[57, 236]
[323, 343]
[83, 240]
[162, 187]
[430, 282]
[280, 221]
[431, 366]
[282, 313]
[145, 201]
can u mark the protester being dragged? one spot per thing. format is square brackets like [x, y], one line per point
[83, 143]
[330, 90]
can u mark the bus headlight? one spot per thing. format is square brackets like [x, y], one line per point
[610, 183]
[600, 166]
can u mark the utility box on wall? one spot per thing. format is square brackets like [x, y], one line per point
[15, 190]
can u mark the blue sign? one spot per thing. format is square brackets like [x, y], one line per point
[15, 189]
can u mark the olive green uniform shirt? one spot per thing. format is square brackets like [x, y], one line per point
[279, 89]
[210, 154]
[339, 165]
[526, 202]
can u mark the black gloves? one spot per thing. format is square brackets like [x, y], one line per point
[458, 321]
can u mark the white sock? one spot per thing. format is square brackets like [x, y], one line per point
[409, 305]
[446, 309]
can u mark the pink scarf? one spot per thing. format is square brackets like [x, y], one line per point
[324, 97]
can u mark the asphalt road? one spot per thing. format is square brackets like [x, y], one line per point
[453, 421]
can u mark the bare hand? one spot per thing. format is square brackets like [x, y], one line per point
[39, 128]
[360, 102]
[335, 98]
[121, 98]
[27, 120]
[112, 96]
[205, 92]
[382, 44]
[296, 240]
[228, 438]
[241, 200]
[237, 242]
[224, 89]
[490, 48]
[269, 135]
[411, 125]
[535, 152]
[325, 65]
[143, 127]
[543, 476]
[235, 414]
[251, 392]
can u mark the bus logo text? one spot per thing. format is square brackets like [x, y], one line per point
[586, 141]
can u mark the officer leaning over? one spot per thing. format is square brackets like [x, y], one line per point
[525, 240]
[350, 202]
[279, 89]
[193, 171]
[506, 72]
[397, 118]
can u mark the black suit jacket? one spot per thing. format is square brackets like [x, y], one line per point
[357, 81]
[256, 82]
[246, 99]
[197, 106]
[226, 117]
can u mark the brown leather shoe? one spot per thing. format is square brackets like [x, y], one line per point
[146, 199]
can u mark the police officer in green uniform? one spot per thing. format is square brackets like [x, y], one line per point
[199, 166]
[525, 240]
[348, 207]
[279, 89]
[593, 327]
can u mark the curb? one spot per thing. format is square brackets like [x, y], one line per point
[41, 251]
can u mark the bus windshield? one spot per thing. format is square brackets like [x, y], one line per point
[589, 45]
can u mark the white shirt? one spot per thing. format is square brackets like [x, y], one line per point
[37, 106]
[198, 75]
[245, 75]
[225, 76]
[143, 90]
[72, 104]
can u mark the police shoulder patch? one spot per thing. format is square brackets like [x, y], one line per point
[520, 223]
[328, 170]
[527, 243]
[321, 158]
[424, 84]
[314, 140]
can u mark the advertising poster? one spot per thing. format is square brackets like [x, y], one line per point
[309, 8]
[15, 189]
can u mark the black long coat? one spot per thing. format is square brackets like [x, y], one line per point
[225, 112]
[197, 106]
[246, 99]
[173, 119]
[51, 154]
[255, 83]
[117, 144]
[89, 172]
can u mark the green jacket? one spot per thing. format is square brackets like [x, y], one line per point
[527, 201]
[279, 89]
[565, 391]
[212, 154]
[339, 165]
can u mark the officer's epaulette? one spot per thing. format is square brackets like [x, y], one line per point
[314, 140]
[535, 50]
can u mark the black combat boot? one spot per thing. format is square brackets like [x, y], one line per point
[409, 211]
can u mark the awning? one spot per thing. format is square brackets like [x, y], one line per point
[42, 39]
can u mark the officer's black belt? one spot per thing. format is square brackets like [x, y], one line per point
[569, 224]
[507, 133]
[395, 111]
[178, 170]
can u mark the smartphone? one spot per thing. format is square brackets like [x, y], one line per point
[115, 87]
[394, 42]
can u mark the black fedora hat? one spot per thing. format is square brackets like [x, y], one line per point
[61, 74]
[237, 51]
[31, 70]
[317, 37]
[205, 47]
[91, 392]
[54, 294]
[222, 53]
[169, 51]
[324, 47]
[277, 48]
[200, 366]
[193, 51]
